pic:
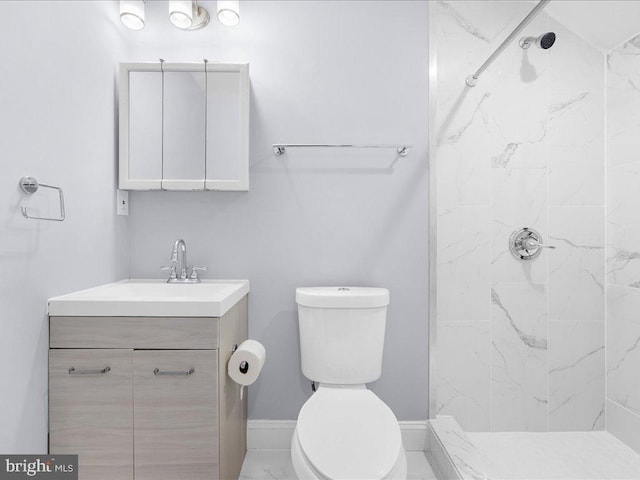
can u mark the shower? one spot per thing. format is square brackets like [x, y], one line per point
[534, 354]
[544, 41]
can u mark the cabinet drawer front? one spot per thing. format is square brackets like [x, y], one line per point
[91, 410]
[134, 332]
[176, 415]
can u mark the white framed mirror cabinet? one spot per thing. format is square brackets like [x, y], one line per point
[184, 126]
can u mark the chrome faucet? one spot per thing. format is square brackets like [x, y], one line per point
[179, 257]
[179, 264]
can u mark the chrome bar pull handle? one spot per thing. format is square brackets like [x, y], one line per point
[73, 371]
[191, 371]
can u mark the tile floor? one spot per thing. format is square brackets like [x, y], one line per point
[276, 465]
[557, 455]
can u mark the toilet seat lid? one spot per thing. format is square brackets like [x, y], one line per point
[349, 433]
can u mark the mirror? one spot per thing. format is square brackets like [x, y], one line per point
[227, 129]
[183, 120]
[184, 126]
[145, 127]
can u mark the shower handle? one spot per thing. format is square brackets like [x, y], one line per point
[531, 243]
[526, 244]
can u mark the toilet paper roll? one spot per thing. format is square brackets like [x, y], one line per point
[246, 362]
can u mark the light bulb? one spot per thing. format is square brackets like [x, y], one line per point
[229, 12]
[132, 14]
[187, 15]
[181, 13]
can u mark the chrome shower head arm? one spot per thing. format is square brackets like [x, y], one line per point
[544, 41]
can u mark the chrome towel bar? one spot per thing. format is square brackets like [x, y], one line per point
[281, 148]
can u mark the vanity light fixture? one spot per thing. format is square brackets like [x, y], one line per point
[187, 14]
[229, 12]
[132, 14]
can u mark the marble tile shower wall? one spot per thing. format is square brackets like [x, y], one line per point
[623, 239]
[520, 346]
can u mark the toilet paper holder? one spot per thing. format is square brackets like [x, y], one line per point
[244, 366]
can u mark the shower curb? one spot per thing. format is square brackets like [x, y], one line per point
[453, 453]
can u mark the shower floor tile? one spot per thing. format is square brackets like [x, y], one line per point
[276, 465]
[557, 455]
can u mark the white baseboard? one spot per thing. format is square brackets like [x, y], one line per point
[270, 434]
[414, 435]
[276, 434]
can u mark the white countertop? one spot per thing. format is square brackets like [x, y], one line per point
[151, 298]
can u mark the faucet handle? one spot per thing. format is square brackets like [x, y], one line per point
[173, 274]
[532, 243]
[194, 272]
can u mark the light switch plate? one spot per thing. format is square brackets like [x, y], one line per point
[122, 197]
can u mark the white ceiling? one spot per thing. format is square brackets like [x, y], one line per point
[605, 24]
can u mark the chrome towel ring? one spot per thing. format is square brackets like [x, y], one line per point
[30, 185]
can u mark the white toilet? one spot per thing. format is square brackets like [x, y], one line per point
[345, 431]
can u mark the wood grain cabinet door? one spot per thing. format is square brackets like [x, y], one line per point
[91, 410]
[176, 414]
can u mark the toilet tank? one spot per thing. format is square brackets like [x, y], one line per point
[342, 333]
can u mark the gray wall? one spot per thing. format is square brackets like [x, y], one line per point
[57, 100]
[352, 72]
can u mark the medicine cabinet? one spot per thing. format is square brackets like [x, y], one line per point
[184, 126]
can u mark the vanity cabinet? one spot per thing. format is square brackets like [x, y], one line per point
[184, 126]
[147, 398]
[90, 415]
[176, 419]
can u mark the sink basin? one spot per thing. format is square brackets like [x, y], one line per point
[152, 298]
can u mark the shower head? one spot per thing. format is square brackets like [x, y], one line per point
[544, 41]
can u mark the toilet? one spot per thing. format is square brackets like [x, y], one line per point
[344, 431]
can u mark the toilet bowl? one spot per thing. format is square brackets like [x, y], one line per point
[347, 433]
[344, 431]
